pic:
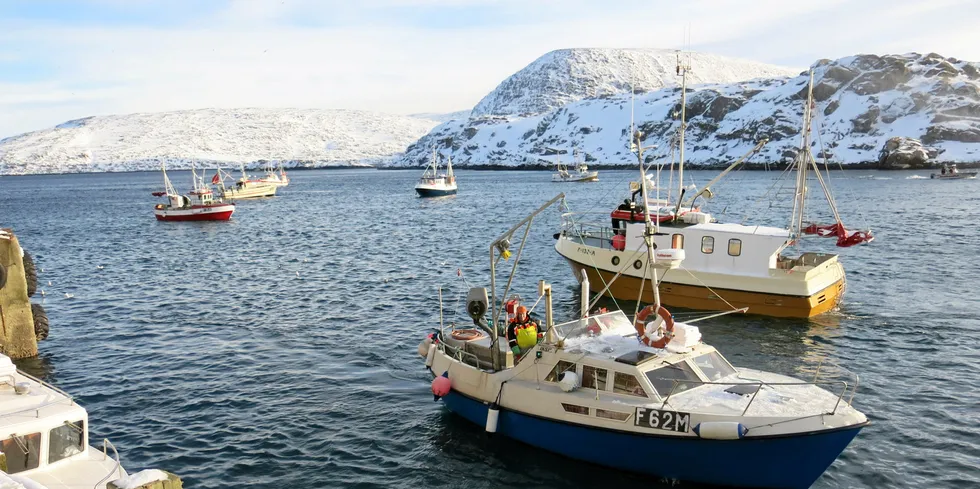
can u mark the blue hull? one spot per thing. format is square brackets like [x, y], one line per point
[778, 462]
[425, 192]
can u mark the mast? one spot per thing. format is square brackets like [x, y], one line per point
[169, 187]
[802, 162]
[682, 71]
[449, 169]
[650, 230]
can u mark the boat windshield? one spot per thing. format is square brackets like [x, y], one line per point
[665, 378]
[610, 323]
[714, 366]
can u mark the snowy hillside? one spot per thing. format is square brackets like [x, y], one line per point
[300, 137]
[862, 101]
[568, 75]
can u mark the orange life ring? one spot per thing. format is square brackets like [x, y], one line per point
[466, 334]
[641, 328]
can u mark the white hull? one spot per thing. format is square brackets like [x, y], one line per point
[576, 177]
[249, 191]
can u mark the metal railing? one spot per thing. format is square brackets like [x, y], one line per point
[117, 469]
[460, 354]
[67, 399]
[759, 385]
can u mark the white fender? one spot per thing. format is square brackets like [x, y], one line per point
[720, 430]
[493, 414]
[430, 355]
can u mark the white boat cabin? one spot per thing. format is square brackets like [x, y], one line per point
[44, 434]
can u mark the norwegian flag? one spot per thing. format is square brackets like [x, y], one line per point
[215, 179]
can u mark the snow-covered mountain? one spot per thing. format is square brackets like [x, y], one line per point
[567, 75]
[299, 137]
[862, 101]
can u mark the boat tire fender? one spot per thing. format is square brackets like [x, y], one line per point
[30, 273]
[41, 327]
[641, 327]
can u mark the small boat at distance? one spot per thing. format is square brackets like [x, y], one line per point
[581, 173]
[271, 177]
[245, 187]
[434, 184]
[198, 205]
[950, 172]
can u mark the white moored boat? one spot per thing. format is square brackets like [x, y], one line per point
[950, 172]
[610, 391]
[245, 187]
[44, 435]
[581, 173]
[434, 184]
[728, 264]
[279, 179]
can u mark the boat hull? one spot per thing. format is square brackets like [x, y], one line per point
[795, 461]
[212, 213]
[955, 176]
[435, 192]
[590, 178]
[702, 298]
[250, 192]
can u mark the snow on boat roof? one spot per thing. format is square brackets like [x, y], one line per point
[742, 229]
[612, 335]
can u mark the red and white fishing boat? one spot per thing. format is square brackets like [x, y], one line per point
[198, 205]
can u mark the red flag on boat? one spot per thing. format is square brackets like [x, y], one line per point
[844, 237]
[215, 179]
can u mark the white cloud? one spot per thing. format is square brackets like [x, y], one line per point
[257, 54]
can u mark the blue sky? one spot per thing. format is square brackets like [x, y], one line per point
[62, 60]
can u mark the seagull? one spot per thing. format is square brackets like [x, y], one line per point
[68, 296]
[297, 274]
[100, 267]
[42, 293]
[49, 283]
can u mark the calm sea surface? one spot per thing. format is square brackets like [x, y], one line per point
[279, 349]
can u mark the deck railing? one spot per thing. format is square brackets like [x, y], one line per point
[116, 469]
[759, 385]
[67, 399]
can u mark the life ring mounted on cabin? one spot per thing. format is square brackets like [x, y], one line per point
[467, 334]
[665, 331]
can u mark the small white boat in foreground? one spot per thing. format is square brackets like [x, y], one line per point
[44, 436]
[434, 184]
[643, 396]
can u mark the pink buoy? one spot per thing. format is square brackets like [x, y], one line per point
[441, 386]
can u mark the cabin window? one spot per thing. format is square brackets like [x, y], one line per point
[23, 452]
[593, 378]
[713, 366]
[707, 245]
[65, 441]
[559, 369]
[572, 408]
[627, 384]
[734, 247]
[677, 241]
[663, 378]
[618, 416]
